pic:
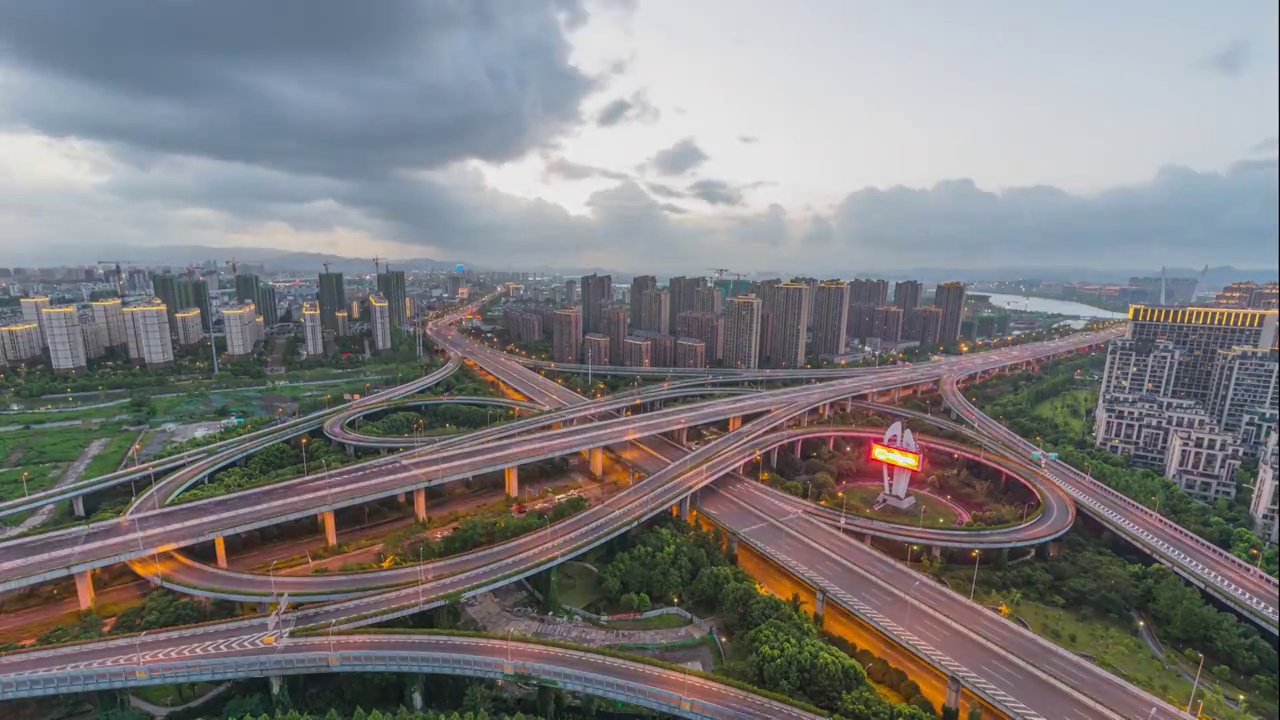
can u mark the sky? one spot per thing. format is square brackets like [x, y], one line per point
[645, 135]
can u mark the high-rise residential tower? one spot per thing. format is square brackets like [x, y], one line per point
[109, 314]
[379, 322]
[391, 285]
[332, 297]
[147, 328]
[597, 293]
[742, 332]
[640, 285]
[566, 336]
[787, 306]
[830, 318]
[950, 298]
[64, 339]
[312, 332]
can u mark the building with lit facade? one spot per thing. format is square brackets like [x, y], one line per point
[312, 331]
[20, 342]
[63, 338]
[147, 330]
[379, 322]
[109, 314]
[1178, 391]
[190, 327]
[240, 326]
[31, 307]
[1248, 295]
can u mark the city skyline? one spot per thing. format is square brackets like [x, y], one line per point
[600, 155]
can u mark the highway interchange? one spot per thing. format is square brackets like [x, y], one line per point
[676, 472]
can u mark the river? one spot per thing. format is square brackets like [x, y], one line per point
[1045, 305]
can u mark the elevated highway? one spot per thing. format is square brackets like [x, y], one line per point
[1205, 565]
[668, 691]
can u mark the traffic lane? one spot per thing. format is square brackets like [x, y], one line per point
[1041, 696]
[835, 557]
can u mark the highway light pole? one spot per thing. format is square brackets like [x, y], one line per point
[304, 457]
[977, 555]
[271, 572]
[1025, 507]
[911, 599]
[1195, 685]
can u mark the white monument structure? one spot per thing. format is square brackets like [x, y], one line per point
[896, 477]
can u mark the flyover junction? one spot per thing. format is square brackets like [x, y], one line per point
[678, 472]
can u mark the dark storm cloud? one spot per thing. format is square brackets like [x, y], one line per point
[1229, 61]
[333, 88]
[715, 192]
[679, 158]
[636, 108]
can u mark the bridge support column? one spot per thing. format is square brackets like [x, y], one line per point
[819, 603]
[330, 528]
[84, 590]
[953, 692]
[735, 422]
[848, 405]
[773, 457]
[77, 505]
[825, 410]
[732, 546]
[511, 481]
[936, 551]
[686, 506]
[798, 444]
[277, 685]
[420, 504]
[831, 442]
[416, 692]
[402, 499]
[220, 551]
[866, 539]
[681, 436]
[897, 395]
[596, 458]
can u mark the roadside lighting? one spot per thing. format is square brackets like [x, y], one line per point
[304, 457]
[977, 556]
[1195, 685]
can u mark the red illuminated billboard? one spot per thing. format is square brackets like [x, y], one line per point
[895, 456]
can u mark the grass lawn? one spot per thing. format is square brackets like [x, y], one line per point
[861, 498]
[1070, 409]
[44, 455]
[1116, 646]
[578, 585]
[35, 418]
[657, 622]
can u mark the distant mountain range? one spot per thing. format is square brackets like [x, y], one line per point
[179, 256]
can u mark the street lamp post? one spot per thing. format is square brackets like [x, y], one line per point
[1195, 685]
[977, 555]
[844, 502]
[25, 491]
[271, 572]
[911, 599]
[304, 457]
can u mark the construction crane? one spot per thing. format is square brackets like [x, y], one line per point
[376, 271]
[232, 264]
[326, 267]
[719, 272]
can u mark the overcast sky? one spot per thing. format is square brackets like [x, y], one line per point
[658, 135]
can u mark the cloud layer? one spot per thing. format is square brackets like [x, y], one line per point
[339, 127]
